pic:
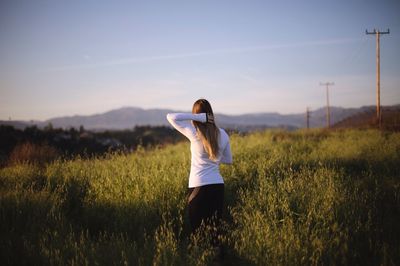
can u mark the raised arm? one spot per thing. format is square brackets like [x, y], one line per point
[182, 122]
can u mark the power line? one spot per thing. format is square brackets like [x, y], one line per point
[378, 33]
[308, 117]
[328, 110]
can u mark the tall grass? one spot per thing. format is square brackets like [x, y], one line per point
[308, 197]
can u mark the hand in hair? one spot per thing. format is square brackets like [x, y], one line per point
[210, 118]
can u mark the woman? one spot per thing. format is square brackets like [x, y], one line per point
[209, 147]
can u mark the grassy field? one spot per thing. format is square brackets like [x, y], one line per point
[301, 198]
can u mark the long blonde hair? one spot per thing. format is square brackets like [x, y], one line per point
[208, 132]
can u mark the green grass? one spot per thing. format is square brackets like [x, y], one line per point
[302, 198]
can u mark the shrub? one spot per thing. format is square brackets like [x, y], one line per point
[32, 153]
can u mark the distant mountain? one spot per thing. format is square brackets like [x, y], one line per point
[123, 118]
[129, 117]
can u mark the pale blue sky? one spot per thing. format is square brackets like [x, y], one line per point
[84, 57]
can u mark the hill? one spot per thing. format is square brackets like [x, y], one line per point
[366, 118]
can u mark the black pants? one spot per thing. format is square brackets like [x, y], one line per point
[205, 205]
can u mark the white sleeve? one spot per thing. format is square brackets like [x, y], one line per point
[226, 157]
[182, 122]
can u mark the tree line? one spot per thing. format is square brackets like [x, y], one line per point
[20, 144]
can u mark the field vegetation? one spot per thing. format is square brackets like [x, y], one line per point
[292, 198]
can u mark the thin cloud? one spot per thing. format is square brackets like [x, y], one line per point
[133, 60]
[249, 78]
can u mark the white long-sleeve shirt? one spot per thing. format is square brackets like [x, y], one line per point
[203, 171]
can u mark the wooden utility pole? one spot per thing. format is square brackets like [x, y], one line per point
[328, 110]
[308, 117]
[378, 74]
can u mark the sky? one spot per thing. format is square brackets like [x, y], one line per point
[61, 58]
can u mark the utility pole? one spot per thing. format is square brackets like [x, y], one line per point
[308, 117]
[378, 73]
[328, 110]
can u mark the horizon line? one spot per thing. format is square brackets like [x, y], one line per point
[165, 108]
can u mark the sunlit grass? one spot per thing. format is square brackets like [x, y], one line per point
[308, 197]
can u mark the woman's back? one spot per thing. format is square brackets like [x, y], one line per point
[203, 170]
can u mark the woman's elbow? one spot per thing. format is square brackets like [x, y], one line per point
[170, 117]
[227, 161]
